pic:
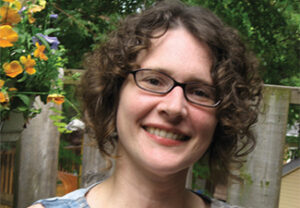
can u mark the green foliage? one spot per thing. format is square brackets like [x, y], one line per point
[34, 73]
[294, 114]
[291, 154]
[85, 23]
[71, 106]
[272, 30]
[57, 121]
[201, 172]
[67, 158]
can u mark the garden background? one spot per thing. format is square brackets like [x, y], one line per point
[271, 29]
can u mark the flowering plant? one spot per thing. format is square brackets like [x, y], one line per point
[30, 59]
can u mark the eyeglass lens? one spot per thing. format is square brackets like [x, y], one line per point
[158, 82]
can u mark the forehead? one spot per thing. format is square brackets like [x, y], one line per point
[179, 54]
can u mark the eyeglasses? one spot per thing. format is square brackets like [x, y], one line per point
[160, 83]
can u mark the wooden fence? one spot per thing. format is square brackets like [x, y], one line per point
[66, 182]
[263, 169]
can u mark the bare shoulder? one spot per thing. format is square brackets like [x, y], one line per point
[36, 206]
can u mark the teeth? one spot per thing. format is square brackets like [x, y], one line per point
[166, 134]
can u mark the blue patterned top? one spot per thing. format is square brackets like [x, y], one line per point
[76, 199]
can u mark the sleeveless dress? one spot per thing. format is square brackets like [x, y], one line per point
[76, 199]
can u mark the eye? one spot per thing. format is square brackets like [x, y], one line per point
[152, 81]
[200, 93]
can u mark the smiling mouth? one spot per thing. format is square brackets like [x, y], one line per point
[166, 134]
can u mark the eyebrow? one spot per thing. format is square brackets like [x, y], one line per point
[193, 80]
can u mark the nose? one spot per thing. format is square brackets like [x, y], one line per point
[173, 105]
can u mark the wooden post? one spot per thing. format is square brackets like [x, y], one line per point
[93, 163]
[189, 179]
[262, 172]
[38, 158]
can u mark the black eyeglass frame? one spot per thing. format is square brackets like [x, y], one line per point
[182, 85]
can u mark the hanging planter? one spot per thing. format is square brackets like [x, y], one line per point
[31, 62]
[11, 128]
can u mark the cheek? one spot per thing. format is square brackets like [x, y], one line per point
[204, 123]
[133, 105]
[205, 126]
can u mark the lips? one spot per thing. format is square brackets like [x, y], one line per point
[166, 134]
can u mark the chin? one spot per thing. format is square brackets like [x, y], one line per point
[163, 167]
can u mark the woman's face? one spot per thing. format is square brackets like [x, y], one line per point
[146, 121]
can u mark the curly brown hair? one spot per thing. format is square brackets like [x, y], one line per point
[233, 73]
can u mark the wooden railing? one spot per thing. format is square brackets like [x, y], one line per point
[67, 182]
[7, 175]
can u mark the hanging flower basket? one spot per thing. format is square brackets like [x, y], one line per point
[31, 59]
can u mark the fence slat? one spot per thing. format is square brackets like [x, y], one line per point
[293, 91]
[6, 187]
[264, 166]
[11, 171]
[2, 172]
[38, 158]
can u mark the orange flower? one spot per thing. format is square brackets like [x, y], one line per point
[28, 63]
[16, 4]
[4, 97]
[12, 69]
[7, 36]
[9, 16]
[39, 52]
[1, 83]
[31, 19]
[56, 98]
[37, 8]
[12, 89]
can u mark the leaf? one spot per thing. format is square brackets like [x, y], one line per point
[55, 110]
[23, 78]
[22, 108]
[44, 42]
[51, 30]
[18, 50]
[76, 76]
[53, 117]
[63, 130]
[59, 117]
[26, 100]
[60, 124]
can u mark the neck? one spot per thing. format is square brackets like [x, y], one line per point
[136, 187]
[146, 189]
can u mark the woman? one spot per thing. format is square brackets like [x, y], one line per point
[170, 85]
